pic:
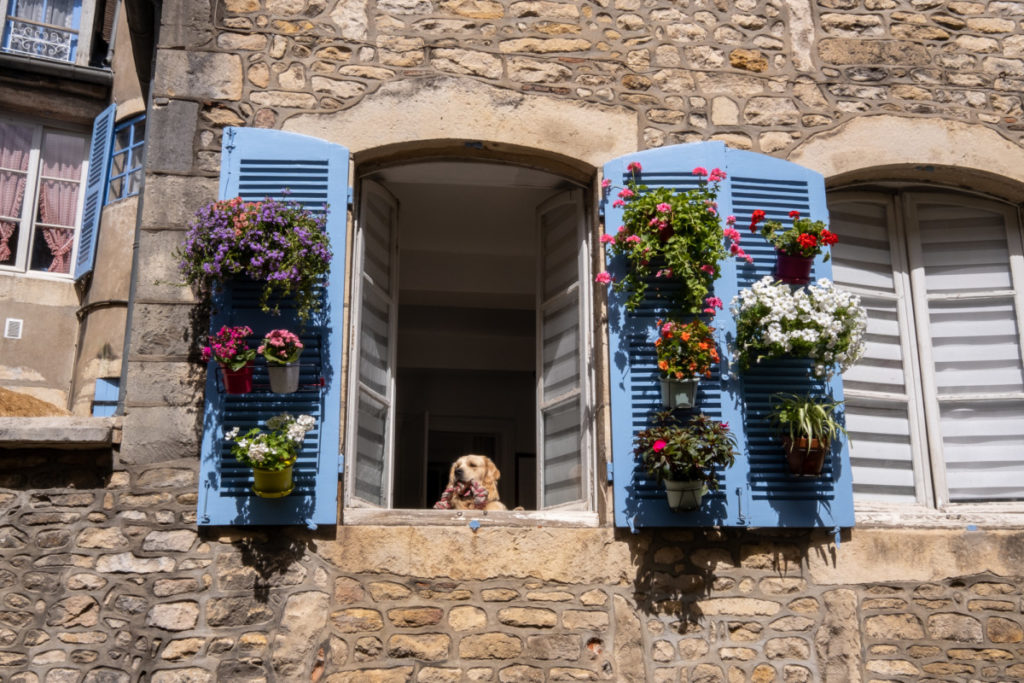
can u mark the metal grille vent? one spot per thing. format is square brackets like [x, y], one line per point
[12, 328]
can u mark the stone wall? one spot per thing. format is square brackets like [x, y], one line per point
[105, 578]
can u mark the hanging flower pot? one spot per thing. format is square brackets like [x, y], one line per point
[793, 270]
[679, 393]
[237, 381]
[804, 460]
[284, 379]
[684, 495]
[272, 483]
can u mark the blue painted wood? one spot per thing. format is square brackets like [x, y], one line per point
[754, 491]
[95, 190]
[104, 398]
[258, 163]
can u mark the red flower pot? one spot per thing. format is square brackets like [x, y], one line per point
[237, 381]
[793, 270]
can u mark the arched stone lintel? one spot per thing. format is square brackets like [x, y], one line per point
[919, 150]
[461, 109]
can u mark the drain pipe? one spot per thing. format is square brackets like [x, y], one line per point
[133, 281]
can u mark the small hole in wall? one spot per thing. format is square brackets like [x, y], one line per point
[595, 646]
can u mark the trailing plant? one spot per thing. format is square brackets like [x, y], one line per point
[274, 449]
[280, 245]
[691, 451]
[804, 238]
[820, 322]
[672, 235]
[280, 347]
[230, 347]
[685, 350]
[805, 417]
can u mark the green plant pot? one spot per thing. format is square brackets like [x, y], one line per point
[679, 393]
[272, 484]
[684, 495]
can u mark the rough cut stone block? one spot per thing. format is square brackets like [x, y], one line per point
[174, 616]
[490, 646]
[528, 617]
[355, 620]
[415, 616]
[430, 647]
[467, 618]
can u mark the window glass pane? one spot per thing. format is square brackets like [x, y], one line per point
[134, 181]
[60, 179]
[117, 190]
[377, 259]
[983, 444]
[563, 467]
[948, 233]
[370, 443]
[40, 28]
[117, 163]
[975, 346]
[373, 342]
[15, 147]
[561, 361]
[122, 138]
[51, 249]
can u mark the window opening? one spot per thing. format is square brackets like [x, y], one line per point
[43, 28]
[454, 299]
[126, 159]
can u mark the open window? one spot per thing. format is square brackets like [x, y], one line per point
[470, 334]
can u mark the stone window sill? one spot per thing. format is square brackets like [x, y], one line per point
[968, 516]
[62, 433]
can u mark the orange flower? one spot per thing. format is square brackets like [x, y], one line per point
[703, 346]
[685, 336]
[663, 365]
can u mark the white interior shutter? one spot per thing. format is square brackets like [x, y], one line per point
[881, 406]
[966, 261]
[562, 386]
[372, 390]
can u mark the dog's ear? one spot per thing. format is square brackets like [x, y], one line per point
[451, 473]
[493, 474]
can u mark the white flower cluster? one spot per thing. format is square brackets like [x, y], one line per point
[820, 322]
[255, 446]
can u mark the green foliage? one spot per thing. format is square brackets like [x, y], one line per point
[274, 449]
[685, 452]
[806, 417]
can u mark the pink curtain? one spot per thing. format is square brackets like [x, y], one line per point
[58, 195]
[15, 145]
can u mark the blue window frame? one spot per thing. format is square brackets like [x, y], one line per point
[42, 28]
[126, 159]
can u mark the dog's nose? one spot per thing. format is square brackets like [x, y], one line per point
[458, 473]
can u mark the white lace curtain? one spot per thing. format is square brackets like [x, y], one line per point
[53, 12]
[15, 146]
[58, 196]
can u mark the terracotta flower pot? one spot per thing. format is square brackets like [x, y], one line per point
[793, 270]
[804, 461]
[272, 484]
[237, 381]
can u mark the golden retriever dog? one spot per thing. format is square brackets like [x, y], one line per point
[472, 485]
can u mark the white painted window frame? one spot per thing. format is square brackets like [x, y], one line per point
[933, 508]
[29, 205]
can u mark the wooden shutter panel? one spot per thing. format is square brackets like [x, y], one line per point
[256, 164]
[95, 190]
[756, 490]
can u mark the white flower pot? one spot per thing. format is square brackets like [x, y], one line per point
[684, 495]
[284, 379]
[679, 393]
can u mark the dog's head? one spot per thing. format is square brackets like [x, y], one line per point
[478, 468]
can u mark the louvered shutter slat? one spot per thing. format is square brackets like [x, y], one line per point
[256, 164]
[95, 190]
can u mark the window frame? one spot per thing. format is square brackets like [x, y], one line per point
[357, 512]
[84, 13]
[135, 150]
[932, 507]
[29, 209]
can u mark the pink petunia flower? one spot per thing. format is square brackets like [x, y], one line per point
[626, 193]
[709, 269]
[700, 170]
[730, 220]
[716, 175]
[618, 204]
[659, 445]
[603, 278]
[664, 207]
[606, 183]
[633, 239]
[607, 239]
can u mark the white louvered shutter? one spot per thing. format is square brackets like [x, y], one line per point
[965, 260]
[371, 396]
[882, 408]
[562, 387]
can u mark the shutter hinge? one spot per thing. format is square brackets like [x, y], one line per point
[349, 195]
[610, 472]
[341, 463]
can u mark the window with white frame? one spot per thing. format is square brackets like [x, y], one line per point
[934, 409]
[126, 159]
[471, 335]
[41, 175]
[43, 28]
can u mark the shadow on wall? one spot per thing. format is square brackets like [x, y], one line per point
[693, 579]
[271, 561]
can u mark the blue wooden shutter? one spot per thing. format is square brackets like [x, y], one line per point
[756, 490]
[95, 190]
[255, 164]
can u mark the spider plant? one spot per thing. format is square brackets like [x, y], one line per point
[806, 417]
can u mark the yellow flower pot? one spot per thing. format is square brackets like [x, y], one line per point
[272, 484]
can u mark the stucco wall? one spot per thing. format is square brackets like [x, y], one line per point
[127, 584]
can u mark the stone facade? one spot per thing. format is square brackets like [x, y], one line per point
[106, 576]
